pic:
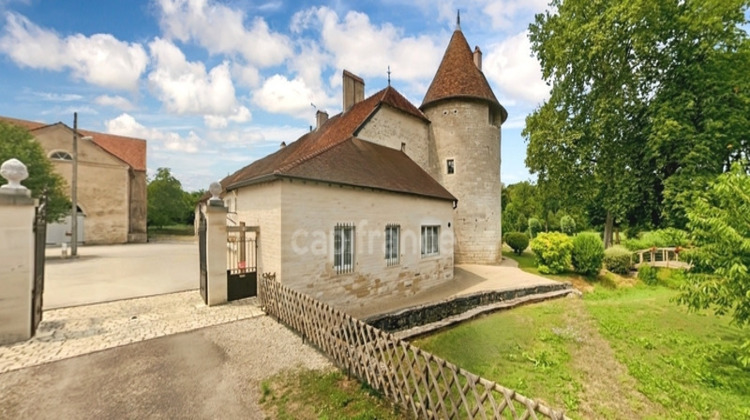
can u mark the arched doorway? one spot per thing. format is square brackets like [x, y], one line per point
[59, 232]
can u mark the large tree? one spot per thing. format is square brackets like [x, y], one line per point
[719, 219]
[629, 107]
[167, 204]
[16, 142]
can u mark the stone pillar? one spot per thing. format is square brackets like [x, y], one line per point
[216, 249]
[16, 254]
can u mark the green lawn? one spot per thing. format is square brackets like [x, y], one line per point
[312, 394]
[623, 351]
[619, 352]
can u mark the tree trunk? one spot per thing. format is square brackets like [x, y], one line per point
[608, 230]
[617, 236]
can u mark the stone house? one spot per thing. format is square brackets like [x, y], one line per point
[111, 182]
[382, 199]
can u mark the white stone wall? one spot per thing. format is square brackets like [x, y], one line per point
[312, 210]
[462, 131]
[389, 127]
[260, 205]
[16, 267]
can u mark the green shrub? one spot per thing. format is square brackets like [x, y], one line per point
[567, 225]
[517, 241]
[617, 260]
[535, 226]
[588, 253]
[648, 274]
[661, 238]
[553, 252]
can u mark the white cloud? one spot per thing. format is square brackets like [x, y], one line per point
[246, 75]
[100, 59]
[367, 49]
[115, 102]
[511, 66]
[257, 136]
[221, 30]
[281, 95]
[58, 97]
[503, 13]
[185, 87]
[126, 125]
[240, 115]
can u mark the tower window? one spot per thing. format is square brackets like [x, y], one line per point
[450, 166]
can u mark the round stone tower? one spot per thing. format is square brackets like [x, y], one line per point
[465, 120]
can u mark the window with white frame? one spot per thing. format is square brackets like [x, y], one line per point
[343, 248]
[60, 155]
[392, 244]
[450, 166]
[430, 240]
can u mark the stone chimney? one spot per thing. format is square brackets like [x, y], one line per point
[320, 117]
[478, 57]
[354, 90]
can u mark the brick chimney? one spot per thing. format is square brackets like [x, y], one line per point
[320, 117]
[354, 90]
[478, 57]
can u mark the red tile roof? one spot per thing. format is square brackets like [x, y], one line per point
[459, 77]
[331, 153]
[128, 149]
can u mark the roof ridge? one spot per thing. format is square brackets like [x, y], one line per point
[308, 156]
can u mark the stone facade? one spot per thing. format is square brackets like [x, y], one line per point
[466, 132]
[103, 185]
[390, 127]
[297, 219]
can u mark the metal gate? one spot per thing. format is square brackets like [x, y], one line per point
[242, 267]
[202, 256]
[40, 234]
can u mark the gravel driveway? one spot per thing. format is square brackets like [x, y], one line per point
[214, 372]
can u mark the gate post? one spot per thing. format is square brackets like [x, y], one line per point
[16, 254]
[216, 251]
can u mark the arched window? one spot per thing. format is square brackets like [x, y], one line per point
[60, 155]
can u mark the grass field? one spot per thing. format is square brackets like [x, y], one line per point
[624, 350]
[312, 394]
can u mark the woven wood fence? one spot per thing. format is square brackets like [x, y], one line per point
[425, 385]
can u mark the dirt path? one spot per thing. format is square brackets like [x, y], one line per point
[608, 390]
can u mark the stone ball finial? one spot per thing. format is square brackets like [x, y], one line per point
[215, 190]
[14, 171]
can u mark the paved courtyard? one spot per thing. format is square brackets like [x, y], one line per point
[112, 272]
[70, 332]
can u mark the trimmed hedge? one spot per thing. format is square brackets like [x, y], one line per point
[618, 260]
[553, 252]
[518, 241]
[588, 253]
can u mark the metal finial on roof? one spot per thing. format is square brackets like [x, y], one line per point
[458, 20]
[389, 75]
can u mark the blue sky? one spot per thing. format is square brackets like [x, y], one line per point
[216, 84]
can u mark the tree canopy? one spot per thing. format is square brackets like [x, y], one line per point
[16, 142]
[649, 102]
[719, 220]
[166, 200]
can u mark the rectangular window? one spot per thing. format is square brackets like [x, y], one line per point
[392, 245]
[430, 240]
[343, 248]
[450, 166]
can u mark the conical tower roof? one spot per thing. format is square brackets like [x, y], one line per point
[459, 77]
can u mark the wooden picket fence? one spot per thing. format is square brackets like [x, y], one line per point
[425, 385]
